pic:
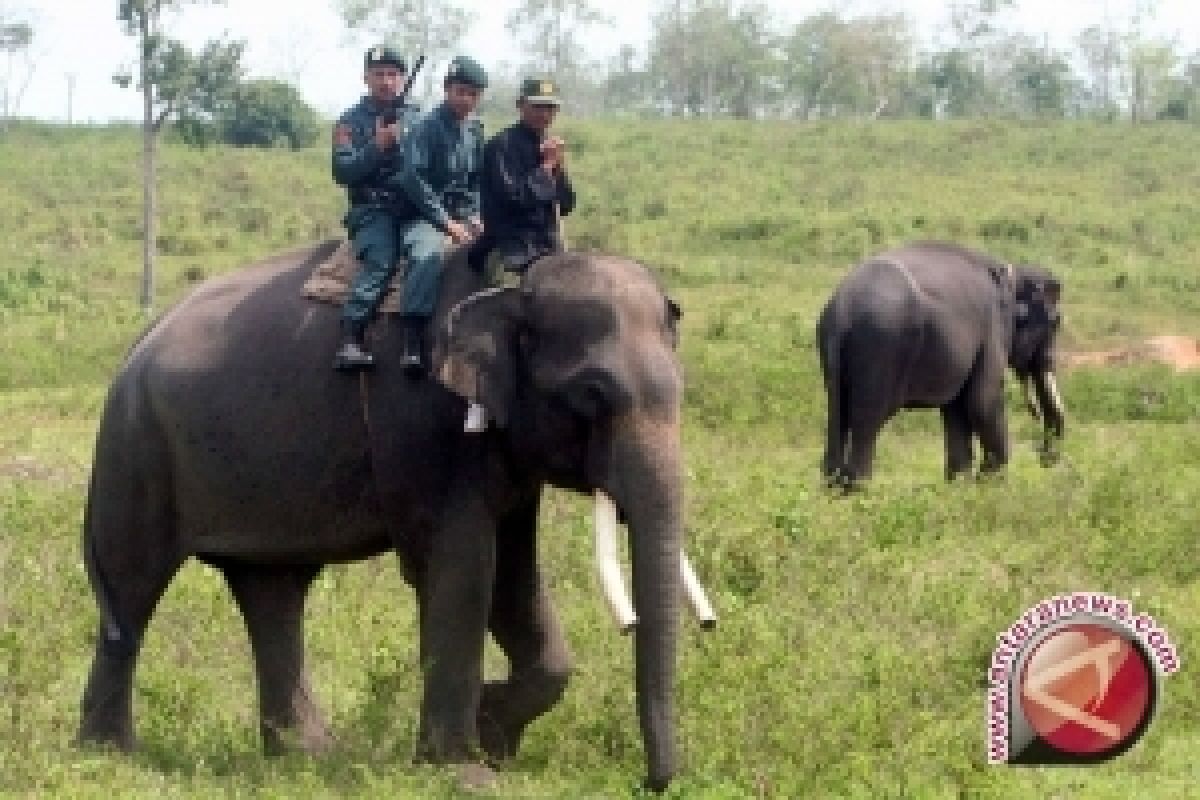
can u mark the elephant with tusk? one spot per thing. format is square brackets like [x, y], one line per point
[227, 439]
[934, 325]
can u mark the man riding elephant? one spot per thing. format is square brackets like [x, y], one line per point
[366, 156]
[525, 186]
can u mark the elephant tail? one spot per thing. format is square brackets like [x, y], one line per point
[113, 634]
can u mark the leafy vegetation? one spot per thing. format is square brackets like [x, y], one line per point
[849, 659]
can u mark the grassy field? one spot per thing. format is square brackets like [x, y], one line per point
[850, 656]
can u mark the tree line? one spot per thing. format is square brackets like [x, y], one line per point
[720, 58]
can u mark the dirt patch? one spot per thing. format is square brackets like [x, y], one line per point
[27, 468]
[1181, 353]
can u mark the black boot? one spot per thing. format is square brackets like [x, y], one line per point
[352, 355]
[411, 360]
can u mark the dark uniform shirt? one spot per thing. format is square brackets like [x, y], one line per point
[442, 158]
[518, 196]
[357, 163]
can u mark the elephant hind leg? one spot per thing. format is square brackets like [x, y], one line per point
[524, 623]
[957, 428]
[983, 396]
[271, 600]
[131, 558]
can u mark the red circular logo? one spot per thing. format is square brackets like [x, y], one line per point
[1087, 689]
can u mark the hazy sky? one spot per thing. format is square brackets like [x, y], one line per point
[303, 41]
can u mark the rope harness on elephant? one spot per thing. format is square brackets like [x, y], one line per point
[458, 308]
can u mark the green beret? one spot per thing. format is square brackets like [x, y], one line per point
[540, 91]
[382, 55]
[464, 69]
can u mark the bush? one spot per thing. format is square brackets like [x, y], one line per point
[269, 113]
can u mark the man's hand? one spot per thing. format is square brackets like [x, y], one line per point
[554, 153]
[459, 233]
[385, 135]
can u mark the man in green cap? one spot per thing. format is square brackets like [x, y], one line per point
[525, 184]
[366, 158]
[442, 156]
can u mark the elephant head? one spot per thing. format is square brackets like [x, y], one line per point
[1036, 323]
[578, 371]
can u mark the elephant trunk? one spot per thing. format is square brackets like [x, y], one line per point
[647, 483]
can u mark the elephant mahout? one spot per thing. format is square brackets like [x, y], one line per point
[933, 325]
[226, 437]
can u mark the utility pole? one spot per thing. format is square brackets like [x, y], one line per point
[70, 98]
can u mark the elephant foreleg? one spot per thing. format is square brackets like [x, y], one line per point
[455, 596]
[524, 624]
[271, 600]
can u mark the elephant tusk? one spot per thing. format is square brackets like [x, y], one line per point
[1027, 395]
[607, 562]
[696, 595]
[1055, 397]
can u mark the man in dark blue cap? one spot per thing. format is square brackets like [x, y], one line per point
[442, 157]
[367, 156]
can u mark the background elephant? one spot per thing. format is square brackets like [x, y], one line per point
[932, 325]
[226, 437]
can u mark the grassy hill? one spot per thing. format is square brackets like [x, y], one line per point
[855, 631]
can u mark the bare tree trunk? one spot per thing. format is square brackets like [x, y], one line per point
[149, 201]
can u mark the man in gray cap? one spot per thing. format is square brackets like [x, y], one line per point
[366, 159]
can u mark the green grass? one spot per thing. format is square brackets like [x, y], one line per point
[854, 631]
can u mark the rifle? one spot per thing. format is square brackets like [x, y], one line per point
[389, 116]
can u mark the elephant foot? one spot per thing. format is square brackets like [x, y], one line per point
[94, 737]
[312, 738]
[476, 777]
[499, 741]
[1049, 454]
[507, 707]
[841, 479]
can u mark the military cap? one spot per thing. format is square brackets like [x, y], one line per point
[540, 91]
[382, 55]
[464, 69]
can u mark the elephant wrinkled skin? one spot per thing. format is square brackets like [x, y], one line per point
[227, 438]
[932, 325]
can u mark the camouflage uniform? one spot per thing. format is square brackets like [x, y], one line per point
[442, 160]
[376, 206]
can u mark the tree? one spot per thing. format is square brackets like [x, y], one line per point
[550, 29]
[1101, 49]
[1042, 80]
[837, 65]
[417, 27]
[269, 113]
[173, 82]
[1183, 92]
[626, 85]
[705, 57]
[16, 38]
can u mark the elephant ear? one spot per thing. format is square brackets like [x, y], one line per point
[475, 351]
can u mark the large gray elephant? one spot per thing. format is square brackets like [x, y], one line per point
[932, 325]
[227, 438]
